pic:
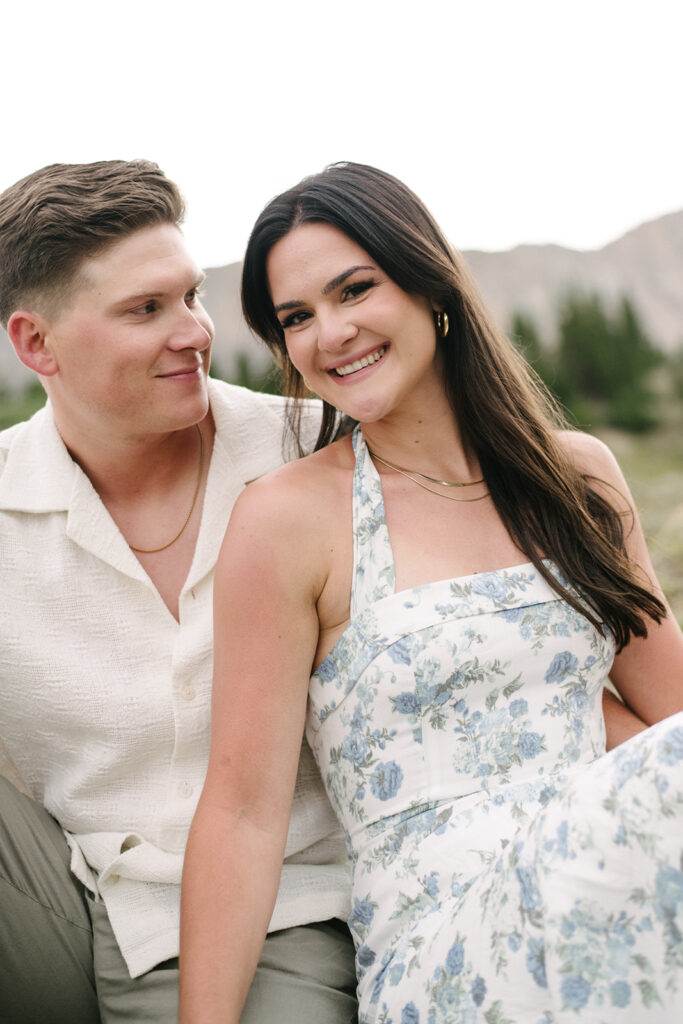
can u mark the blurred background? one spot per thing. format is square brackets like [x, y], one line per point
[542, 136]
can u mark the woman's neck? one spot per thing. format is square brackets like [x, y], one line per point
[429, 443]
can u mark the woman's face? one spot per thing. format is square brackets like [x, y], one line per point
[361, 342]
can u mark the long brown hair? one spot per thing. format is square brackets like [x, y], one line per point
[503, 411]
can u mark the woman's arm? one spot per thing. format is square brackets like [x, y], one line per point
[620, 722]
[266, 631]
[648, 672]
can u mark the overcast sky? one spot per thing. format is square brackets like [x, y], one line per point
[515, 120]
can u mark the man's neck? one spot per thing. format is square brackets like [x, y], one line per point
[153, 488]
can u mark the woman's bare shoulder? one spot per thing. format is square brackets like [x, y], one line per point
[319, 472]
[590, 455]
[587, 451]
[297, 499]
[596, 462]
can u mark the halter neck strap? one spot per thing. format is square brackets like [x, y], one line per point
[373, 559]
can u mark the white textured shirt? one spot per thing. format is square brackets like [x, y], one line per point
[105, 697]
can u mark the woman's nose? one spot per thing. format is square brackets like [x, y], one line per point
[334, 330]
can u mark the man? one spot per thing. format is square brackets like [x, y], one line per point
[113, 503]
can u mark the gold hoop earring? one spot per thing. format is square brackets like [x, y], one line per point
[442, 324]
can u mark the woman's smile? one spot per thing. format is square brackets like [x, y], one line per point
[358, 364]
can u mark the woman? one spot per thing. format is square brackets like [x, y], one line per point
[462, 576]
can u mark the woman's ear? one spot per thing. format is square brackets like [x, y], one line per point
[28, 333]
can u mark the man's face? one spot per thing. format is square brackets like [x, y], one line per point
[133, 342]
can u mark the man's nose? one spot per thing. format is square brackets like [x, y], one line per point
[194, 329]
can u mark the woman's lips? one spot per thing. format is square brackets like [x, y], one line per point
[359, 364]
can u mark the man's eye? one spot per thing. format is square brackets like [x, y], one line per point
[147, 307]
[294, 319]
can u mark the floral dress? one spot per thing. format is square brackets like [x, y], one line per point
[504, 871]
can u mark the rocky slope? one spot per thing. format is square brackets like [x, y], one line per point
[646, 264]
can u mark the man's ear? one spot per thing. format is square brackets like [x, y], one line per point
[28, 333]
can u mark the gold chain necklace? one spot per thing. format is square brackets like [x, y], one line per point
[153, 551]
[432, 479]
[410, 474]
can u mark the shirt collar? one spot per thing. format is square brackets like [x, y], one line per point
[39, 473]
[40, 476]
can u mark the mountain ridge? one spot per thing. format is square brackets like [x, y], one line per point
[645, 264]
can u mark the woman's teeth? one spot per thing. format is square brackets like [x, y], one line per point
[360, 363]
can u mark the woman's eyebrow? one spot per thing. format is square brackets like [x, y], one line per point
[292, 304]
[326, 289]
[340, 278]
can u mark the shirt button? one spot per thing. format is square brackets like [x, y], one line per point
[185, 789]
[113, 879]
[188, 692]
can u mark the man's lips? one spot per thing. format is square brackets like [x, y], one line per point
[184, 371]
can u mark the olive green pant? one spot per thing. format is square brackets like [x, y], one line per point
[60, 963]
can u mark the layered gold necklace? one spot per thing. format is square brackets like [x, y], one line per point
[411, 474]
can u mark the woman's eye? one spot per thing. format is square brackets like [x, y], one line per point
[294, 319]
[352, 291]
[193, 296]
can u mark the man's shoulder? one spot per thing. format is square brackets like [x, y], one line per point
[236, 393]
[36, 470]
[10, 435]
[233, 397]
[253, 421]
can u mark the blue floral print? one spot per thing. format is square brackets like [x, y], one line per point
[561, 666]
[478, 990]
[535, 962]
[505, 870]
[620, 993]
[455, 960]
[575, 991]
[671, 748]
[386, 780]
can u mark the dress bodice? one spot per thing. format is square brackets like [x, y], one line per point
[451, 688]
[496, 857]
